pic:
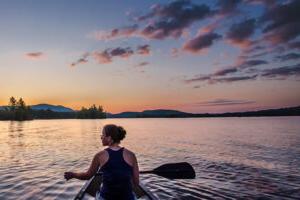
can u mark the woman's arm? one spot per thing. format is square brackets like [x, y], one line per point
[85, 175]
[136, 173]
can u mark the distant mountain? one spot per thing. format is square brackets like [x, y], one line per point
[53, 108]
[292, 111]
[149, 114]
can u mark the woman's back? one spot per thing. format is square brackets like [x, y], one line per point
[117, 176]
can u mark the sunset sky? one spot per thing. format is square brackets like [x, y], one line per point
[133, 55]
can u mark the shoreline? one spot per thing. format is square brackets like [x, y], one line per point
[155, 118]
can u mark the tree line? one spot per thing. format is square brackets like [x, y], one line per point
[18, 110]
[93, 112]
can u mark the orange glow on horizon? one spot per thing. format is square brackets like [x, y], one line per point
[117, 107]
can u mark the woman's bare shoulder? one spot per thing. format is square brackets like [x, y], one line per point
[129, 157]
[129, 153]
[102, 157]
[101, 154]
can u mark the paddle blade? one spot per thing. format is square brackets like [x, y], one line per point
[181, 170]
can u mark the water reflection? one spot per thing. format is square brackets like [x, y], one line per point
[15, 128]
[15, 141]
[234, 158]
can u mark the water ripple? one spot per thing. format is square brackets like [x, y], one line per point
[234, 158]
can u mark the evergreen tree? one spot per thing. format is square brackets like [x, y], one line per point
[12, 103]
[21, 111]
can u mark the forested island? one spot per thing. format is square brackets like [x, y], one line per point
[19, 111]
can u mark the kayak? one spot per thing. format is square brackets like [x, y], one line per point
[182, 170]
[91, 187]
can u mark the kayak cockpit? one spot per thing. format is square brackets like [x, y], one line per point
[92, 186]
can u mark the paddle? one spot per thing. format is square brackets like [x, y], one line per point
[182, 170]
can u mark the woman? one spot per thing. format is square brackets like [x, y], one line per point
[118, 165]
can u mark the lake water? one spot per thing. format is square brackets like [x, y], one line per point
[234, 158]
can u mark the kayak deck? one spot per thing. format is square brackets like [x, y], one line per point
[93, 185]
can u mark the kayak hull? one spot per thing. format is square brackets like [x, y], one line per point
[92, 186]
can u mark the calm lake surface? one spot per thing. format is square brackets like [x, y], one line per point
[234, 158]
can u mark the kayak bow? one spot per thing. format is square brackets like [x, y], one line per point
[92, 186]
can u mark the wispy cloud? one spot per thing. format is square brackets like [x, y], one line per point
[254, 49]
[34, 55]
[221, 75]
[198, 78]
[227, 7]
[214, 80]
[223, 72]
[143, 49]
[224, 102]
[171, 19]
[231, 79]
[240, 33]
[251, 63]
[107, 56]
[121, 52]
[201, 42]
[81, 60]
[294, 45]
[282, 72]
[116, 33]
[264, 2]
[289, 56]
[102, 57]
[279, 73]
[282, 22]
[142, 64]
[162, 21]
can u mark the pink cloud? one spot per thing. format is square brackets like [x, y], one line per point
[208, 28]
[201, 42]
[284, 33]
[282, 22]
[122, 52]
[102, 57]
[240, 33]
[142, 64]
[143, 49]
[34, 55]
[161, 22]
[106, 56]
[243, 44]
[227, 7]
[115, 33]
[81, 60]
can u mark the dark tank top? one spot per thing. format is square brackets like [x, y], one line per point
[116, 178]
